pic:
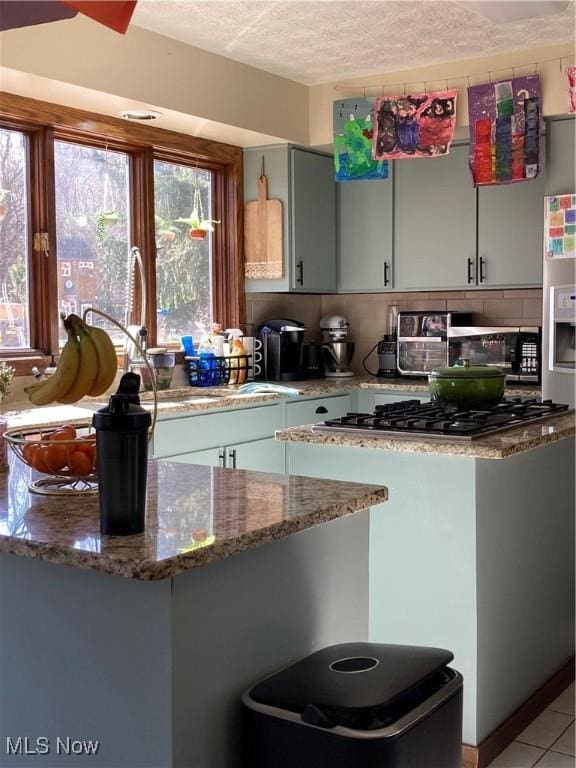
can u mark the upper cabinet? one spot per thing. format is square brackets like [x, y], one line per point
[365, 229]
[313, 235]
[560, 163]
[434, 222]
[304, 183]
[424, 228]
[510, 232]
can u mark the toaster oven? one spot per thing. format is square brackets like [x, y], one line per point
[422, 340]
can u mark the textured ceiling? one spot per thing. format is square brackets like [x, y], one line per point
[322, 41]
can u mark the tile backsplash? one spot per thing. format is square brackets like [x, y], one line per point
[367, 312]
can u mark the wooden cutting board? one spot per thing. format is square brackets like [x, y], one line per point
[263, 236]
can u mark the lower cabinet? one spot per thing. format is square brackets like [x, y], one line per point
[257, 455]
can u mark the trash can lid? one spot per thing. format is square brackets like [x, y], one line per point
[350, 677]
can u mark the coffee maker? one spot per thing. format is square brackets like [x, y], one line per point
[281, 349]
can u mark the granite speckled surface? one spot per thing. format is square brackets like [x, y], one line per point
[194, 516]
[189, 400]
[498, 446]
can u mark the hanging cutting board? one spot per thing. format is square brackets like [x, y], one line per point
[263, 236]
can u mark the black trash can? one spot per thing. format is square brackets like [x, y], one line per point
[357, 705]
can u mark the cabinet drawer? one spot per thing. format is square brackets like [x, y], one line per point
[197, 433]
[395, 397]
[313, 411]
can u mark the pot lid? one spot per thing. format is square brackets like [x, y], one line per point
[463, 370]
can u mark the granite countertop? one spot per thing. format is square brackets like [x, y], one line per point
[189, 400]
[498, 446]
[195, 515]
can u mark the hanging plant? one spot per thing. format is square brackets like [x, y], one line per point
[109, 216]
[199, 226]
[3, 202]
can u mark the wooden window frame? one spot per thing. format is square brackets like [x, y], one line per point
[44, 123]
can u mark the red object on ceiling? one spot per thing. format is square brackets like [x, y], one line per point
[115, 14]
[26, 14]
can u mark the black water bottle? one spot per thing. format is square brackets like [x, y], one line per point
[122, 451]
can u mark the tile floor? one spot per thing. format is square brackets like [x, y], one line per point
[548, 742]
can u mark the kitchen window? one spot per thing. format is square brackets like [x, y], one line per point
[82, 191]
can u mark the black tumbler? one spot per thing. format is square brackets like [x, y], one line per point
[122, 452]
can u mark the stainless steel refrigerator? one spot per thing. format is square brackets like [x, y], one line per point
[559, 301]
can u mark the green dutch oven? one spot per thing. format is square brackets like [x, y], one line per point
[467, 386]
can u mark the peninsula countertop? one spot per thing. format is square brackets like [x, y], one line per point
[195, 515]
[497, 446]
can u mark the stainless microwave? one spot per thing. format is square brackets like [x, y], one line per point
[422, 340]
[516, 350]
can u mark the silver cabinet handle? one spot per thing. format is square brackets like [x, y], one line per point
[470, 271]
[386, 274]
[300, 272]
[482, 269]
[222, 457]
[232, 457]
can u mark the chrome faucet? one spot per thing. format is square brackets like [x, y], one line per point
[139, 332]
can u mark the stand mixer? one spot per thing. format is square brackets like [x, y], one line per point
[337, 350]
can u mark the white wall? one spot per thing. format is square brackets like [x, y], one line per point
[159, 71]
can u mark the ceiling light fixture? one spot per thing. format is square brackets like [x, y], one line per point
[509, 11]
[140, 114]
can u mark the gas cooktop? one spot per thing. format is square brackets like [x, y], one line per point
[412, 418]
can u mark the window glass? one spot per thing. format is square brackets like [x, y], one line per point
[14, 241]
[93, 233]
[183, 252]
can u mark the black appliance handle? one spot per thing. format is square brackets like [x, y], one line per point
[386, 275]
[321, 409]
[470, 273]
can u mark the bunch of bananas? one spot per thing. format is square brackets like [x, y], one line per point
[87, 366]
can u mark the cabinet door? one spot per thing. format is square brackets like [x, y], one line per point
[313, 226]
[313, 411]
[392, 397]
[510, 231]
[213, 457]
[259, 455]
[434, 222]
[365, 234]
[560, 141]
[276, 168]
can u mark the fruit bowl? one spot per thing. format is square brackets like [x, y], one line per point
[64, 455]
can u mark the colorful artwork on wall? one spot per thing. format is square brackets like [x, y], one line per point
[504, 121]
[353, 128]
[418, 125]
[560, 227]
[571, 78]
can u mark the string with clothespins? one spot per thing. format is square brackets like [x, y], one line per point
[372, 89]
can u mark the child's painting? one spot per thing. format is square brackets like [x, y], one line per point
[353, 131]
[504, 120]
[418, 125]
[571, 84]
[560, 227]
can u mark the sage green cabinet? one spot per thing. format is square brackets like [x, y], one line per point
[560, 160]
[303, 181]
[434, 222]
[365, 233]
[510, 232]
[313, 222]
[256, 455]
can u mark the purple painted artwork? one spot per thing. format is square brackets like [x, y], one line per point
[504, 120]
[418, 125]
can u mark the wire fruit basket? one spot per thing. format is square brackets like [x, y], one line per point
[65, 456]
[217, 371]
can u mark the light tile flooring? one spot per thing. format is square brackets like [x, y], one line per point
[548, 742]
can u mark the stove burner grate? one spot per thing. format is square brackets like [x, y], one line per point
[409, 418]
